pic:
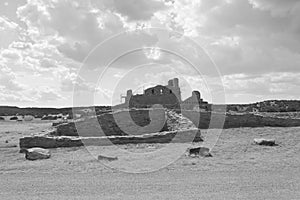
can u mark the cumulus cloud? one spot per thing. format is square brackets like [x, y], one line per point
[76, 26]
[276, 7]
[255, 43]
[9, 31]
[135, 10]
[242, 37]
[47, 95]
[8, 80]
[13, 98]
[268, 85]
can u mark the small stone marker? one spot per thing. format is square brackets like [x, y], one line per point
[36, 154]
[265, 142]
[199, 151]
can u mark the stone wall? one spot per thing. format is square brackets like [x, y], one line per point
[143, 101]
[133, 122]
[176, 128]
[138, 122]
[65, 141]
[168, 96]
[202, 120]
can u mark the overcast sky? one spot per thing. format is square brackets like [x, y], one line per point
[250, 49]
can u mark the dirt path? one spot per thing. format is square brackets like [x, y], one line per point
[160, 185]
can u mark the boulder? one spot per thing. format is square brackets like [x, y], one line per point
[199, 151]
[37, 154]
[265, 142]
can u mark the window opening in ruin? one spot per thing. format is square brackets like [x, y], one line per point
[161, 91]
[152, 91]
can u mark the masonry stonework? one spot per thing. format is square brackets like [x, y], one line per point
[169, 96]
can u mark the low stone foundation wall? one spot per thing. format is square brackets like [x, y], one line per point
[203, 120]
[183, 136]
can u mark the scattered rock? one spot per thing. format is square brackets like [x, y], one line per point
[37, 154]
[265, 142]
[107, 158]
[199, 151]
[6, 141]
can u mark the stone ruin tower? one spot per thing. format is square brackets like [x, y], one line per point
[173, 85]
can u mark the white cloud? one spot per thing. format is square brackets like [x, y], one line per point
[48, 40]
[135, 10]
[266, 86]
[47, 95]
[276, 7]
[70, 81]
[8, 80]
[9, 31]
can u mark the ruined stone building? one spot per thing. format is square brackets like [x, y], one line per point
[195, 102]
[169, 96]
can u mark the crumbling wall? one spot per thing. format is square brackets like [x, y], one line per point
[191, 135]
[204, 120]
[142, 101]
[133, 122]
[182, 130]
[168, 96]
[195, 102]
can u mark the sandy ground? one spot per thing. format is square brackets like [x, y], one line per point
[237, 170]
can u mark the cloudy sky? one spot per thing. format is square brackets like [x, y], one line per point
[244, 50]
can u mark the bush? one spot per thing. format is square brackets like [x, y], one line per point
[14, 118]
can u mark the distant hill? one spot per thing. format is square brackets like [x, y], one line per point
[8, 110]
[40, 112]
[267, 106]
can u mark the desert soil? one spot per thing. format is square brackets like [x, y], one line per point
[237, 170]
